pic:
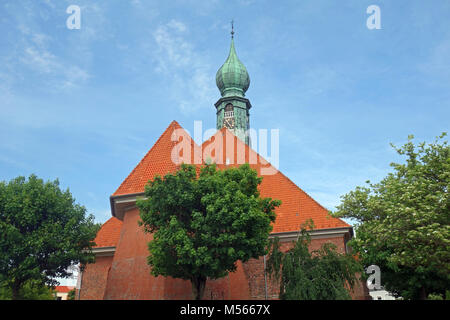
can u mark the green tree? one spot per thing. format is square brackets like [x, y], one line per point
[71, 294]
[403, 222]
[30, 290]
[203, 223]
[42, 233]
[322, 274]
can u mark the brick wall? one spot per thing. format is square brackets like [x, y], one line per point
[129, 277]
[127, 274]
[93, 282]
[259, 283]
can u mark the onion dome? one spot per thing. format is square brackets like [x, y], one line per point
[232, 78]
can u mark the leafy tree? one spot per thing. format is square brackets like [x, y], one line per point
[323, 274]
[433, 296]
[71, 294]
[42, 233]
[30, 290]
[404, 221]
[203, 223]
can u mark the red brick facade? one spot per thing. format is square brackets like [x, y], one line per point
[94, 279]
[126, 275]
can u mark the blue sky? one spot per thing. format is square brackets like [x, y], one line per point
[85, 105]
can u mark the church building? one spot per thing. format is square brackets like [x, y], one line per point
[121, 270]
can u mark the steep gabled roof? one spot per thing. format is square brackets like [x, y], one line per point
[158, 161]
[297, 206]
[222, 148]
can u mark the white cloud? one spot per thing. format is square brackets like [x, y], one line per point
[188, 71]
[74, 76]
[61, 75]
[32, 54]
[177, 25]
[136, 2]
[49, 3]
[173, 51]
[40, 60]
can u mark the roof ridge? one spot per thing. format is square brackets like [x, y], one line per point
[111, 220]
[225, 129]
[174, 123]
[157, 161]
[306, 193]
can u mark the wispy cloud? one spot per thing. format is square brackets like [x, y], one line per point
[173, 50]
[136, 2]
[39, 57]
[186, 69]
[33, 54]
[40, 60]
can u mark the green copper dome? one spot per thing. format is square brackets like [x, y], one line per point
[232, 78]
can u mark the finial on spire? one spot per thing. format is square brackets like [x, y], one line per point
[232, 29]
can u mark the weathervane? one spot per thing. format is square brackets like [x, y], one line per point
[232, 29]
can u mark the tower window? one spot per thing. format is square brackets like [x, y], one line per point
[229, 111]
[229, 107]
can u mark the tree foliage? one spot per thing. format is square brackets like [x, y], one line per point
[71, 294]
[203, 223]
[404, 221]
[42, 233]
[30, 290]
[323, 274]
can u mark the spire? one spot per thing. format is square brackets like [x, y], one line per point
[232, 29]
[232, 109]
[232, 78]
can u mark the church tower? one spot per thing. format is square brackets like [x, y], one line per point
[233, 80]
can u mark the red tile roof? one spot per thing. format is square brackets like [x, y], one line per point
[297, 206]
[157, 161]
[63, 289]
[109, 233]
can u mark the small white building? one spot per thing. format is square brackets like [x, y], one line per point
[62, 292]
[381, 294]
